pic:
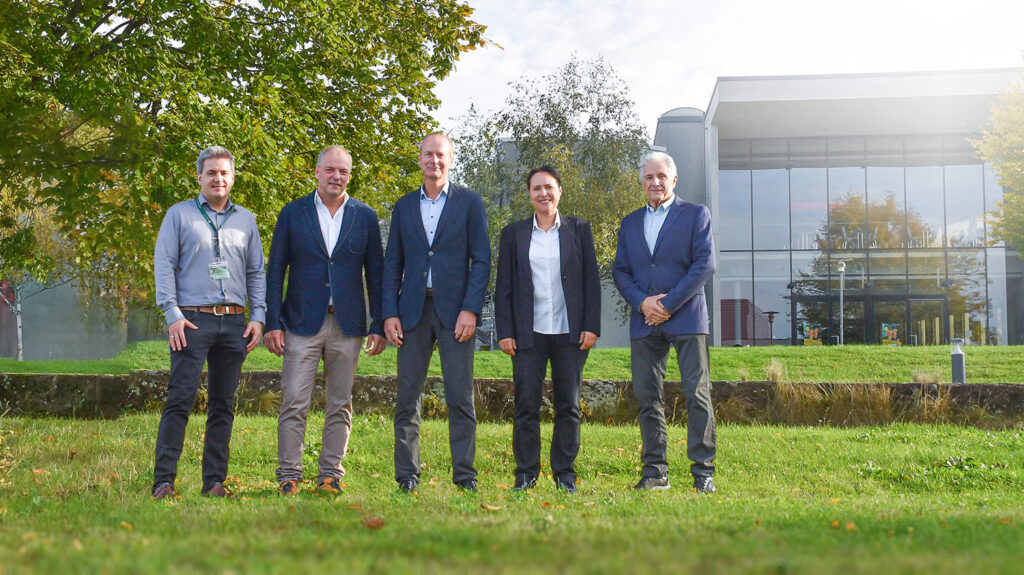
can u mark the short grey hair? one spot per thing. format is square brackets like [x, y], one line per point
[331, 148]
[658, 157]
[213, 153]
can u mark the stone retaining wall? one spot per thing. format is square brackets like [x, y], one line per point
[988, 405]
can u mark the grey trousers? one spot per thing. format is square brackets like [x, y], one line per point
[457, 370]
[301, 359]
[649, 357]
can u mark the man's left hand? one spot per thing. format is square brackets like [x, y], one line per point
[375, 344]
[465, 326]
[253, 331]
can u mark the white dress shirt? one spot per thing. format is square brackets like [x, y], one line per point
[330, 226]
[549, 314]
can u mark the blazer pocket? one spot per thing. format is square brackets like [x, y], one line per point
[357, 241]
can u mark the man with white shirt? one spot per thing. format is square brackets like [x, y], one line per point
[540, 260]
[327, 242]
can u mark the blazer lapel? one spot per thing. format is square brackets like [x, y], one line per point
[347, 221]
[673, 214]
[524, 235]
[416, 217]
[309, 209]
[566, 240]
[454, 195]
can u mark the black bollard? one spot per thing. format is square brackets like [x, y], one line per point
[957, 357]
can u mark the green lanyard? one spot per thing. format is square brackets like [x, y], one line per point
[216, 230]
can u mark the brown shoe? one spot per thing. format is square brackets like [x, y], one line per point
[218, 490]
[164, 490]
[290, 487]
[329, 485]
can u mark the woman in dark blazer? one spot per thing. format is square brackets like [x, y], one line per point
[547, 308]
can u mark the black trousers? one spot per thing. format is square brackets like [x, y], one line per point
[457, 370]
[219, 343]
[529, 366]
[649, 357]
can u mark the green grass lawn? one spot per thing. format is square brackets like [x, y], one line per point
[74, 498]
[852, 363]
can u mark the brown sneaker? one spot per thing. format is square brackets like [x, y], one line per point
[290, 487]
[164, 490]
[329, 485]
[218, 490]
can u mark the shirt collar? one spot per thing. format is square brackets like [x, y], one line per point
[204, 202]
[664, 205]
[558, 222]
[444, 192]
[319, 202]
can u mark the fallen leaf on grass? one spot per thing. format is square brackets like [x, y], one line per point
[502, 486]
[72, 454]
[40, 471]
[618, 449]
[588, 503]
[757, 522]
[487, 507]
[833, 501]
[943, 523]
[546, 504]
[374, 522]
[834, 524]
[433, 481]
[29, 536]
[76, 544]
[354, 506]
[851, 526]
[1006, 521]
[127, 526]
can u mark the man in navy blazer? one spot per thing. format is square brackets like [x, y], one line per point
[665, 255]
[547, 308]
[327, 242]
[436, 272]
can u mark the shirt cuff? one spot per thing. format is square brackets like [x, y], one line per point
[173, 314]
[258, 314]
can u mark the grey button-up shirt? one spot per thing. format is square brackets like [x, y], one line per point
[184, 251]
[430, 212]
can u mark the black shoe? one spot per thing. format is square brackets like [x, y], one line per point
[407, 485]
[164, 490]
[653, 483]
[703, 484]
[467, 485]
[567, 486]
[523, 483]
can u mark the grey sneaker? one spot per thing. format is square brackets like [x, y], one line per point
[703, 484]
[653, 483]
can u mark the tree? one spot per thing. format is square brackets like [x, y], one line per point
[104, 105]
[1002, 145]
[580, 120]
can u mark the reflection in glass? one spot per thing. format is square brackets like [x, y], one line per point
[847, 213]
[733, 231]
[967, 294]
[771, 276]
[993, 195]
[887, 271]
[771, 213]
[886, 216]
[927, 273]
[965, 206]
[808, 207]
[997, 297]
[925, 322]
[737, 298]
[888, 325]
[924, 207]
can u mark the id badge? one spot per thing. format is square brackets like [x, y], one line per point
[219, 270]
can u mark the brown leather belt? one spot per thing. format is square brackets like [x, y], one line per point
[226, 309]
[330, 309]
[430, 292]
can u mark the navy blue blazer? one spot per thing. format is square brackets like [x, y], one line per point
[682, 262]
[581, 284]
[459, 259]
[314, 275]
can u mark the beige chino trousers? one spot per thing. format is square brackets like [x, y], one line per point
[301, 358]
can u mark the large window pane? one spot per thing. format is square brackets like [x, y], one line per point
[887, 272]
[808, 207]
[924, 206]
[771, 276]
[965, 206]
[733, 230]
[847, 214]
[1006, 297]
[967, 292]
[810, 295]
[993, 195]
[927, 273]
[886, 219]
[737, 298]
[771, 213]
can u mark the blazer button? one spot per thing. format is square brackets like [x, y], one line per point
[430, 253]
[654, 266]
[424, 274]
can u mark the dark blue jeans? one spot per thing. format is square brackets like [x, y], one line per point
[219, 343]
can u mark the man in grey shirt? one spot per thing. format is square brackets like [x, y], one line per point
[208, 262]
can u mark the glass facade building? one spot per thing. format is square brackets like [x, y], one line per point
[854, 209]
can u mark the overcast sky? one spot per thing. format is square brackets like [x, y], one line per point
[670, 52]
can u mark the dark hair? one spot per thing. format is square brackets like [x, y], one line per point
[547, 170]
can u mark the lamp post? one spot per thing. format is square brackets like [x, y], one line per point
[841, 266]
[771, 330]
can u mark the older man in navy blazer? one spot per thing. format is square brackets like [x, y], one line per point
[665, 256]
[436, 272]
[328, 243]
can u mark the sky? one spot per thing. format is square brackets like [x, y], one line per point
[670, 52]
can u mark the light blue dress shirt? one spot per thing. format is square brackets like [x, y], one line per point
[549, 312]
[430, 212]
[654, 218]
